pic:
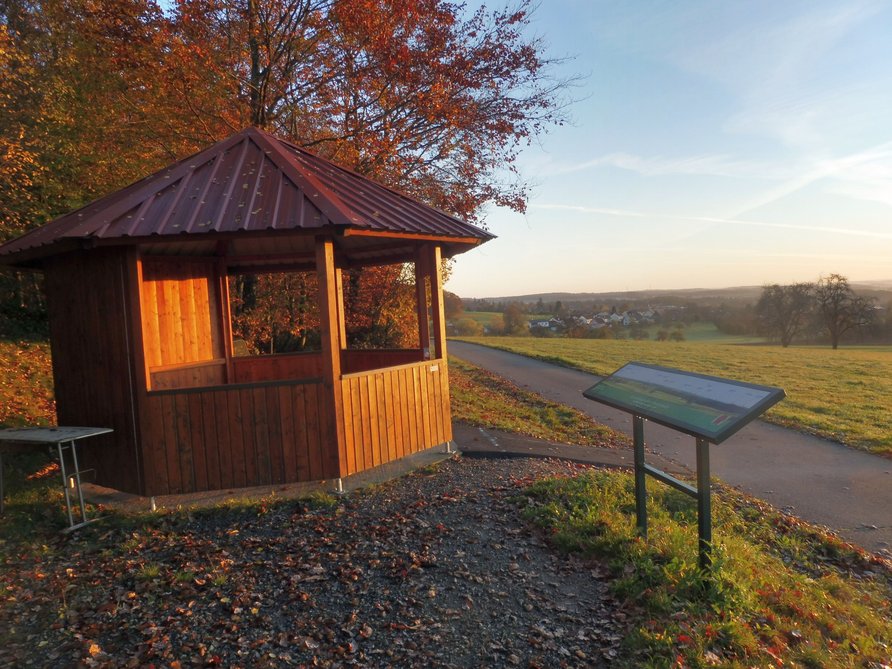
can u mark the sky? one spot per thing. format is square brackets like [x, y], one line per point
[711, 144]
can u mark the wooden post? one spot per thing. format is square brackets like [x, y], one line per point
[139, 372]
[437, 311]
[342, 316]
[225, 315]
[424, 336]
[334, 457]
[223, 307]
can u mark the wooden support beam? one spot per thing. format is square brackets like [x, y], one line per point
[421, 273]
[223, 310]
[437, 309]
[342, 316]
[334, 446]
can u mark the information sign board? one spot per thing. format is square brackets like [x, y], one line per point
[706, 407]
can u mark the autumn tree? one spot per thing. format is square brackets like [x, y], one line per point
[840, 309]
[421, 95]
[380, 307]
[277, 314]
[784, 311]
[453, 306]
[514, 320]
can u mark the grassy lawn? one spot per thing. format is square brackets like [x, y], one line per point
[706, 332]
[781, 593]
[486, 317]
[486, 400]
[842, 395]
[26, 385]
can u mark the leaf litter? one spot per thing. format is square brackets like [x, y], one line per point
[432, 570]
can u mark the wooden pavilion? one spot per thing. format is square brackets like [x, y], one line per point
[139, 312]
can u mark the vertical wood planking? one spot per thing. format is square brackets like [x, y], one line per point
[315, 403]
[349, 425]
[183, 431]
[197, 441]
[236, 440]
[356, 410]
[249, 447]
[301, 436]
[286, 430]
[156, 442]
[274, 432]
[213, 442]
[370, 425]
[444, 402]
[390, 403]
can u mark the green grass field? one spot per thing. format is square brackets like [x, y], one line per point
[844, 395]
[486, 317]
[706, 332]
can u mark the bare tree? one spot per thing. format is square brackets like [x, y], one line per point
[841, 310]
[783, 311]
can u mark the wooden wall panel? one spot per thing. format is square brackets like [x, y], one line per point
[191, 375]
[245, 435]
[89, 300]
[391, 413]
[364, 360]
[281, 367]
[181, 320]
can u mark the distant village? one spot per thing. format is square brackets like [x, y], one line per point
[555, 319]
[603, 319]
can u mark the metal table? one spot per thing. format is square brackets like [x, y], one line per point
[16, 440]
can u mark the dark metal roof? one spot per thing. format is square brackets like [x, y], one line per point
[248, 184]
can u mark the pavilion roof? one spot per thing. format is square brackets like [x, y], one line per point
[249, 186]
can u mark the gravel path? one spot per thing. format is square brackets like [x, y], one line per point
[435, 569]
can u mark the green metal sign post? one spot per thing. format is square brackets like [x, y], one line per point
[708, 408]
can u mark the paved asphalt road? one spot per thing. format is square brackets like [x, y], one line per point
[816, 479]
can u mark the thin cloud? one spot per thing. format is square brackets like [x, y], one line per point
[626, 213]
[700, 165]
[870, 168]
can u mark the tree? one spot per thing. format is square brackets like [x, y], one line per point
[514, 320]
[468, 327]
[418, 94]
[840, 309]
[452, 306]
[784, 311]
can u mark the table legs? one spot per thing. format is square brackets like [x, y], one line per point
[76, 478]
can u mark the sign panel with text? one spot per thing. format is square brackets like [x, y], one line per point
[706, 407]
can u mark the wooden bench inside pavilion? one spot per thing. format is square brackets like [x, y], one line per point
[138, 294]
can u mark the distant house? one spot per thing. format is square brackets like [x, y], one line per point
[555, 324]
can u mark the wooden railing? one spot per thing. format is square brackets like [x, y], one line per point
[279, 367]
[394, 412]
[188, 375]
[217, 438]
[363, 360]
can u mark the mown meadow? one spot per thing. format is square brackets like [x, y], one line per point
[842, 395]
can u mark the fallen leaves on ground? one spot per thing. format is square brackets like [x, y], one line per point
[431, 570]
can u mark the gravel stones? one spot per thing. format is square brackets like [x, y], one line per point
[435, 569]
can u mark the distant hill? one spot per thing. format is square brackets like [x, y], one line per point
[748, 293]
[879, 289]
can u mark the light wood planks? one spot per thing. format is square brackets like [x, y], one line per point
[391, 413]
[180, 313]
